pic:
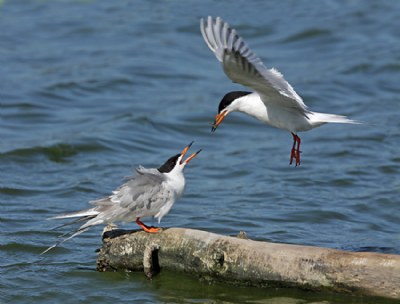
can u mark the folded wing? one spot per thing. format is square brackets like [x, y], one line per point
[142, 195]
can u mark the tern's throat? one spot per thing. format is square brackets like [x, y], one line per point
[176, 181]
[251, 105]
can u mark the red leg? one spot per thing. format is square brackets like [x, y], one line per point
[295, 153]
[147, 228]
[298, 151]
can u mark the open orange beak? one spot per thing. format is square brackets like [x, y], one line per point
[191, 156]
[218, 119]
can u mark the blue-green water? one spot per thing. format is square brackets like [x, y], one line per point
[91, 89]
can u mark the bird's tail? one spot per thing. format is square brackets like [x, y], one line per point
[70, 236]
[83, 215]
[318, 119]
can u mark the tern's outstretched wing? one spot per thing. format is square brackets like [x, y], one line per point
[241, 65]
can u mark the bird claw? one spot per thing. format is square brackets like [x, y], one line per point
[152, 229]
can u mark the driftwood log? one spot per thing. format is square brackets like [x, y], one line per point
[253, 263]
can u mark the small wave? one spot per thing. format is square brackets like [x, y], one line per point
[359, 68]
[343, 182]
[175, 76]
[56, 90]
[388, 169]
[63, 85]
[52, 95]
[56, 153]
[391, 67]
[20, 105]
[307, 34]
[14, 247]
[17, 191]
[396, 159]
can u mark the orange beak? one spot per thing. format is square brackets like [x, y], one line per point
[191, 156]
[218, 119]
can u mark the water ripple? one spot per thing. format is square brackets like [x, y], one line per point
[56, 153]
[308, 34]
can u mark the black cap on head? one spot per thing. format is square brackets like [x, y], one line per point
[229, 97]
[169, 164]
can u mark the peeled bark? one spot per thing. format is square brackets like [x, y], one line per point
[251, 263]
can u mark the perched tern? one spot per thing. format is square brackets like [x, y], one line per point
[152, 192]
[274, 101]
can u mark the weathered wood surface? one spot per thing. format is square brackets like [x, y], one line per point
[252, 263]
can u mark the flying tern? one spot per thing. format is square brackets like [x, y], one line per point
[151, 193]
[274, 101]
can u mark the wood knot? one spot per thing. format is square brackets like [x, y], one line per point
[218, 258]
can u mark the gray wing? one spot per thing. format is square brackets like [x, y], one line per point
[243, 66]
[146, 191]
[145, 194]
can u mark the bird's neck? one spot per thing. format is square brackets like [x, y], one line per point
[251, 105]
[176, 181]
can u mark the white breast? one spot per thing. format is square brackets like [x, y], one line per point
[276, 115]
[175, 182]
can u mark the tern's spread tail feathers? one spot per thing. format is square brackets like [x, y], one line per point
[72, 234]
[318, 119]
[83, 215]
